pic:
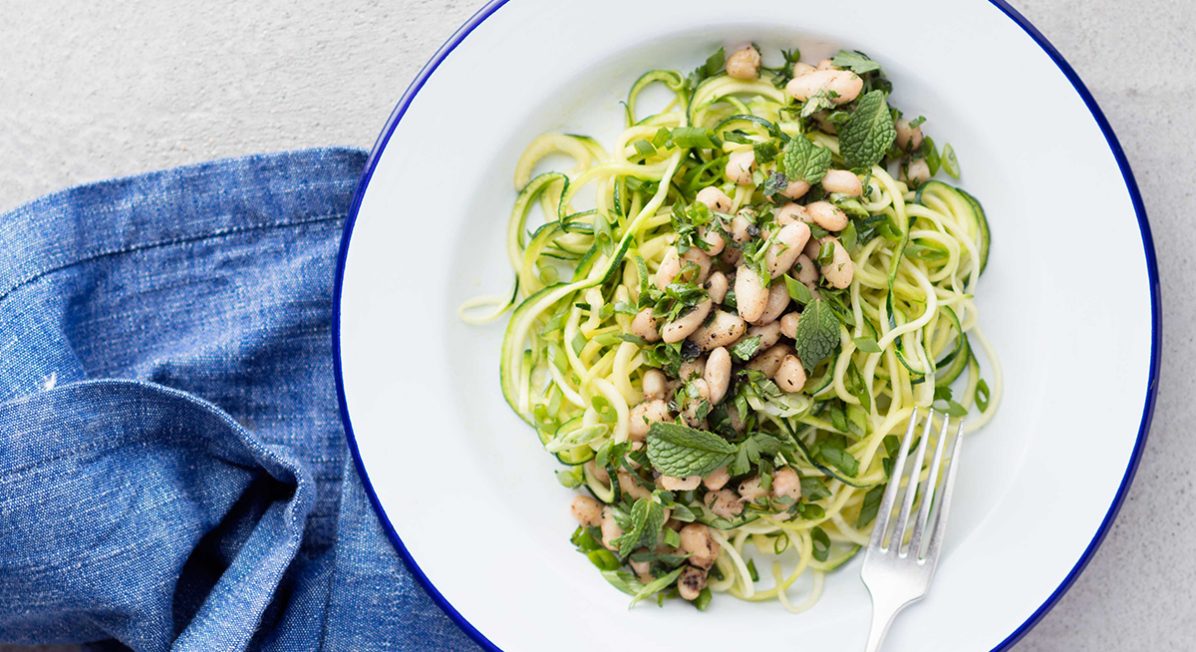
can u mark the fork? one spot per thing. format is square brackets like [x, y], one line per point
[897, 574]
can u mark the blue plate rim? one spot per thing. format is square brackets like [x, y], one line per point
[1118, 154]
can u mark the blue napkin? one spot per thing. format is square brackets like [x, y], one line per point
[173, 470]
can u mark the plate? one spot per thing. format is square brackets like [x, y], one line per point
[465, 490]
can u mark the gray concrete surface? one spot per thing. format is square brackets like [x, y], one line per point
[94, 90]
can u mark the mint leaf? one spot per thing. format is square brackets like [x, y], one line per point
[745, 348]
[646, 519]
[868, 133]
[855, 61]
[833, 451]
[679, 451]
[802, 160]
[817, 333]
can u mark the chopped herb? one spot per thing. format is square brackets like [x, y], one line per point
[868, 133]
[745, 348]
[867, 345]
[870, 506]
[822, 543]
[752, 572]
[679, 451]
[813, 489]
[855, 61]
[774, 184]
[703, 599]
[832, 449]
[642, 526]
[798, 291]
[644, 148]
[691, 137]
[823, 99]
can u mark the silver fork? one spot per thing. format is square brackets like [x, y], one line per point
[896, 574]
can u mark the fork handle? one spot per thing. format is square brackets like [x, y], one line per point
[883, 614]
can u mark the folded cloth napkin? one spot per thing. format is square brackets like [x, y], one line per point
[173, 469]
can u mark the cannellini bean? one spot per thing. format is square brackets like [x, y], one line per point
[699, 544]
[739, 167]
[801, 68]
[716, 286]
[684, 326]
[631, 486]
[691, 369]
[670, 266]
[813, 248]
[724, 503]
[644, 325]
[744, 63]
[786, 247]
[690, 413]
[825, 64]
[586, 510]
[768, 334]
[718, 374]
[791, 375]
[827, 215]
[839, 272]
[788, 324]
[786, 484]
[724, 329]
[778, 301]
[714, 241]
[751, 490]
[844, 84]
[796, 189]
[807, 271]
[908, 137]
[843, 182]
[699, 258]
[823, 119]
[655, 384]
[715, 199]
[643, 570]
[791, 213]
[770, 360]
[733, 416]
[751, 296]
[716, 479]
[642, 416]
[610, 529]
[918, 172]
[688, 483]
[690, 582]
[741, 229]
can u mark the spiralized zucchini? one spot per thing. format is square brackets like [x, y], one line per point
[902, 328]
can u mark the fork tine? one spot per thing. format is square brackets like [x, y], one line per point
[884, 512]
[943, 501]
[930, 491]
[913, 475]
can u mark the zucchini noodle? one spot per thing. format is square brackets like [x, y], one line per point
[779, 456]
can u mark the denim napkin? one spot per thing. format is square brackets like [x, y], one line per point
[173, 471]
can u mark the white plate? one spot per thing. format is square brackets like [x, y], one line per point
[464, 487]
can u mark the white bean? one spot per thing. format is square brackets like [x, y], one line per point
[688, 483]
[690, 583]
[744, 63]
[918, 172]
[631, 486]
[724, 503]
[670, 266]
[586, 510]
[691, 369]
[788, 324]
[908, 137]
[751, 489]
[801, 68]
[827, 215]
[724, 329]
[791, 213]
[839, 272]
[699, 258]
[684, 326]
[699, 544]
[807, 271]
[769, 361]
[825, 64]
[718, 374]
[843, 85]
[610, 529]
[796, 189]
[716, 286]
[643, 415]
[768, 334]
[844, 182]
[715, 199]
[654, 384]
[714, 241]
[791, 375]
[751, 297]
[786, 484]
[690, 413]
[644, 325]
[716, 479]
[786, 247]
[741, 229]
[778, 301]
[739, 167]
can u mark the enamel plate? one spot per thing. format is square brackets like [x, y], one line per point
[466, 491]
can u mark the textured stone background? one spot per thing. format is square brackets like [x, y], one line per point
[95, 90]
